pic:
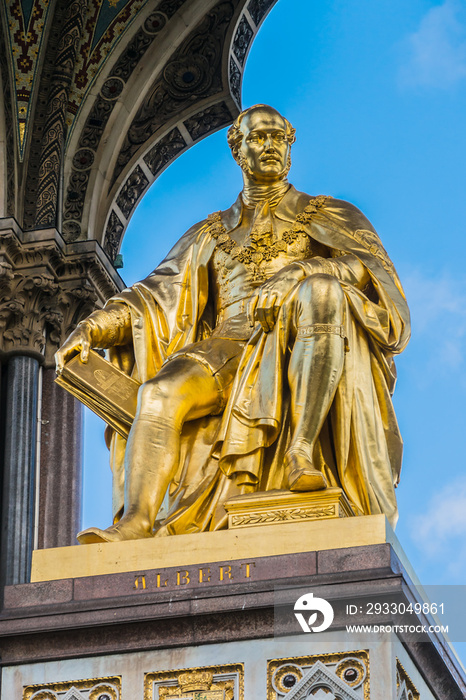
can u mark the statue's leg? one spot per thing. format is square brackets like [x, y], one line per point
[184, 389]
[314, 372]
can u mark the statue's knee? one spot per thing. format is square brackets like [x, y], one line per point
[320, 297]
[153, 395]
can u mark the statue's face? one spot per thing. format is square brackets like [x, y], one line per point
[265, 149]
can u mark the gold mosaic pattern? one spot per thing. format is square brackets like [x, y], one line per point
[93, 53]
[25, 34]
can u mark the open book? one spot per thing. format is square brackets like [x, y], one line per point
[105, 389]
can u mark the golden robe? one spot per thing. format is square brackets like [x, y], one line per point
[360, 446]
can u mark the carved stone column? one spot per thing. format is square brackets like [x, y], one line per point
[60, 487]
[46, 288]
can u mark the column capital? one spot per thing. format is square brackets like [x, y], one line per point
[47, 287]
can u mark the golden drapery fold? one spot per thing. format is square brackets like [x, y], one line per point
[360, 446]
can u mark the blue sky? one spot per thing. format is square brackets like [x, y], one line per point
[377, 93]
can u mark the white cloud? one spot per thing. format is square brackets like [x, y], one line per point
[438, 310]
[435, 55]
[440, 532]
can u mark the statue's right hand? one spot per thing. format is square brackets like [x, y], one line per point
[79, 341]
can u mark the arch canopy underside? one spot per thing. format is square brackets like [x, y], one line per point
[107, 94]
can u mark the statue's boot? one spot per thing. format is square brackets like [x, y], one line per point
[315, 369]
[115, 533]
[151, 458]
[301, 474]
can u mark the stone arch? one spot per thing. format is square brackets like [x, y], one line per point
[145, 111]
[3, 147]
[98, 98]
[7, 141]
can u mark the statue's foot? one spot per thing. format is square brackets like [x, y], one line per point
[301, 474]
[115, 533]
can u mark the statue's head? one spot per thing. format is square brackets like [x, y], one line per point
[260, 140]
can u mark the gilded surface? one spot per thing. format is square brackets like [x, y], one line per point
[405, 688]
[312, 513]
[264, 345]
[204, 683]
[284, 506]
[284, 675]
[88, 689]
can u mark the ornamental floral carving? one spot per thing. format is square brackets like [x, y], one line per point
[44, 293]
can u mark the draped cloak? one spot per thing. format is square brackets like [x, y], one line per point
[359, 448]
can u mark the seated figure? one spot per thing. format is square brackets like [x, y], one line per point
[264, 346]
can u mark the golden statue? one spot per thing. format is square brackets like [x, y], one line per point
[264, 347]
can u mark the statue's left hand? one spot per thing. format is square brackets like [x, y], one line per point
[265, 304]
[80, 341]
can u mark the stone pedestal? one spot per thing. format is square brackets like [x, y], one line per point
[206, 621]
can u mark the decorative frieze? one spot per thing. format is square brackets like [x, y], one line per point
[258, 9]
[342, 675]
[243, 37]
[194, 70]
[113, 235]
[131, 191]
[90, 689]
[206, 683]
[208, 120]
[405, 688]
[165, 151]
[102, 108]
[274, 507]
[235, 81]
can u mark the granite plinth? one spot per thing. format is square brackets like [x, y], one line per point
[60, 482]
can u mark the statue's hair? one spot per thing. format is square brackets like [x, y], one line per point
[235, 135]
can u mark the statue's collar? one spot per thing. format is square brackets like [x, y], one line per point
[292, 204]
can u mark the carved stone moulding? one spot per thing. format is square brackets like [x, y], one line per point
[153, 162]
[246, 28]
[258, 9]
[343, 675]
[201, 80]
[46, 288]
[192, 75]
[224, 682]
[242, 40]
[89, 689]
[102, 108]
[113, 235]
[405, 688]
